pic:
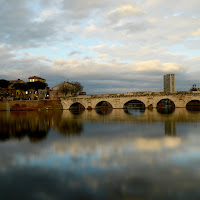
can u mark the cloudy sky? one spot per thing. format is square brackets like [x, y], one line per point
[109, 46]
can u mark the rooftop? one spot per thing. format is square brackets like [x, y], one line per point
[35, 77]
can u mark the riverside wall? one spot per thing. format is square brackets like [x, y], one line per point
[31, 105]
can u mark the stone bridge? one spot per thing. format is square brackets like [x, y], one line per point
[180, 99]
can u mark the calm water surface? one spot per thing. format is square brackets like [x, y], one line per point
[100, 155]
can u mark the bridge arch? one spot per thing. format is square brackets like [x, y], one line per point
[103, 105]
[77, 106]
[165, 106]
[193, 105]
[134, 103]
[165, 102]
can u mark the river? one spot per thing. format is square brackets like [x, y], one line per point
[114, 154]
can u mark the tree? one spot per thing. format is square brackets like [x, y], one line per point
[76, 88]
[73, 88]
[4, 83]
[65, 88]
[21, 86]
[37, 85]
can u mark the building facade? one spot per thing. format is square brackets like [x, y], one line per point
[169, 83]
[35, 79]
[6, 93]
[56, 93]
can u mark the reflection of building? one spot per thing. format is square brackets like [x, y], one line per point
[169, 83]
[34, 125]
[170, 128]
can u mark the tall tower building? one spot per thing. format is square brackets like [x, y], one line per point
[169, 83]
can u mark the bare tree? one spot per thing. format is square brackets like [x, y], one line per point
[65, 88]
[77, 87]
[74, 88]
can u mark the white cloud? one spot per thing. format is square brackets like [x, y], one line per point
[156, 65]
[47, 14]
[103, 56]
[123, 12]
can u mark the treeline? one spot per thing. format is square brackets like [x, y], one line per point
[4, 83]
[23, 86]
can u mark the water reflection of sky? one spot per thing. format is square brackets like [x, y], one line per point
[111, 158]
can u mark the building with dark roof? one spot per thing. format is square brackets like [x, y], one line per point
[35, 79]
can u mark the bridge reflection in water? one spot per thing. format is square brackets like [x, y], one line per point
[103, 108]
[134, 107]
[36, 125]
[122, 154]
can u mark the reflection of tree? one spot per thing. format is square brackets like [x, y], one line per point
[4, 135]
[34, 125]
[104, 111]
[68, 126]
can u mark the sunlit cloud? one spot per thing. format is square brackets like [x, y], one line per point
[196, 33]
[123, 12]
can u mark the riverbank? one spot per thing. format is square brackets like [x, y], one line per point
[31, 105]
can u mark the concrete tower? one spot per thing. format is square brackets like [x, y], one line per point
[169, 83]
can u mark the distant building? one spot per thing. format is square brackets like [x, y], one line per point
[169, 83]
[39, 93]
[43, 93]
[36, 78]
[55, 92]
[7, 93]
